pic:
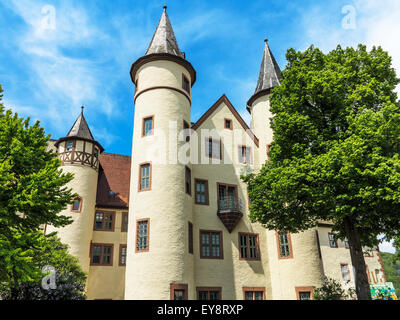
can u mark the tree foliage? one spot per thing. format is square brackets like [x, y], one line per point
[46, 251]
[335, 150]
[332, 289]
[392, 270]
[32, 193]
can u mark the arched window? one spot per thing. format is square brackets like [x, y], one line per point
[77, 205]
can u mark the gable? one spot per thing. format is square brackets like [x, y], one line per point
[224, 101]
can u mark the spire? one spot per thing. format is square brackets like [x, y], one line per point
[163, 40]
[270, 73]
[80, 128]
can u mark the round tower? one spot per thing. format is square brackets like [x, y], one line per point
[301, 265]
[79, 154]
[158, 264]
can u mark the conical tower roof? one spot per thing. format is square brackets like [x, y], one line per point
[270, 73]
[80, 128]
[269, 76]
[163, 46]
[80, 131]
[164, 40]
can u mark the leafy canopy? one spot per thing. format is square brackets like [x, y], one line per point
[32, 185]
[335, 153]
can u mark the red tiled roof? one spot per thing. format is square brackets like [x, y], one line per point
[114, 175]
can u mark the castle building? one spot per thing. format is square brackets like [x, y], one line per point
[171, 221]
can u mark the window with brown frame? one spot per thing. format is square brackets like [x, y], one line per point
[249, 246]
[213, 148]
[186, 131]
[211, 246]
[148, 126]
[122, 254]
[201, 191]
[101, 254]
[244, 155]
[76, 205]
[284, 243]
[344, 268]
[185, 83]
[304, 293]
[190, 236]
[104, 221]
[209, 293]
[253, 293]
[188, 181]
[178, 291]
[142, 235]
[332, 240]
[228, 124]
[124, 223]
[145, 177]
[227, 197]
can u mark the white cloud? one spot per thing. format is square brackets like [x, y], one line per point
[376, 23]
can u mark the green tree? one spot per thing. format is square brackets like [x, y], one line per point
[392, 270]
[335, 153]
[32, 194]
[332, 289]
[49, 251]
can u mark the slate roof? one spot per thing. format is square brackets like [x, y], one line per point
[164, 40]
[270, 73]
[80, 128]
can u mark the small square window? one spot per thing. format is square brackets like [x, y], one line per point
[345, 272]
[255, 294]
[122, 255]
[211, 244]
[76, 205]
[332, 240]
[68, 146]
[185, 83]
[188, 181]
[201, 191]
[213, 148]
[244, 155]
[145, 177]
[142, 235]
[304, 295]
[228, 124]
[205, 293]
[101, 254]
[104, 221]
[147, 126]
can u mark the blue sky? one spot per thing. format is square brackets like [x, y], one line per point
[48, 70]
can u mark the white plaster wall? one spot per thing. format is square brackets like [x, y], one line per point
[149, 274]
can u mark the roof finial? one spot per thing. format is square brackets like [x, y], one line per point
[266, 40]
[165, 7]
[82, 109]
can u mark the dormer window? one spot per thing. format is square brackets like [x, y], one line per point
[68, 146]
